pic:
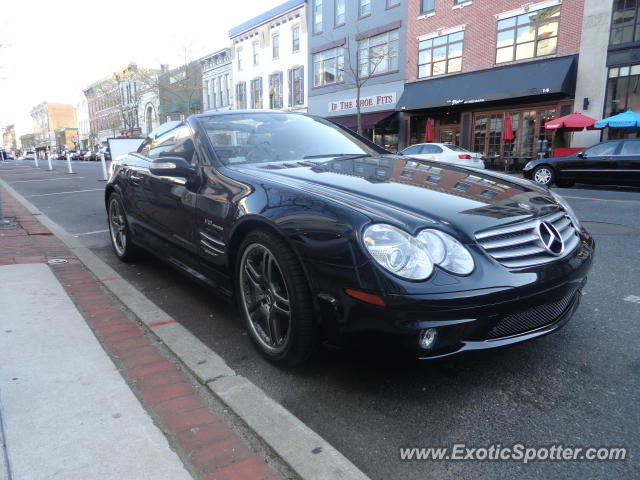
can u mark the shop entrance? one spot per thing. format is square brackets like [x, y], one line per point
[449, 134]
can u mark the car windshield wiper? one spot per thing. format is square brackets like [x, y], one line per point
[341, 155]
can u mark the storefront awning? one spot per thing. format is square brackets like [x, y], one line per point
[543, 77]
[368, 119]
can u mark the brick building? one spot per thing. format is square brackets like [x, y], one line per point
[469, 63]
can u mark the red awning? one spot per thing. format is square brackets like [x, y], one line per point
[368, 119]
[574, 122]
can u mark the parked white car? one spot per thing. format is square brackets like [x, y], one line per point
[445, 153]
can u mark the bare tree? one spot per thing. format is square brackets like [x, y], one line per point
[365, 64]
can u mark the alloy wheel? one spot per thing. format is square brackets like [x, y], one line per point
[265, 298]
[117, 227]
[543, 176]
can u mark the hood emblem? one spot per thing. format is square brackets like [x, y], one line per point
[550, 238]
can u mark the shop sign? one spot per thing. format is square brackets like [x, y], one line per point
[365, 102]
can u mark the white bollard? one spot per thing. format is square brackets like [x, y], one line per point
[49, 162]
[35, 158]
[104, 169]
[70, 170]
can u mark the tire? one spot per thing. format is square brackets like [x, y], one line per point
[119, 232]
[266, 295]
[544, 175]
[565, 183]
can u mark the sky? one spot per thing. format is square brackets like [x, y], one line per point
[50, 51]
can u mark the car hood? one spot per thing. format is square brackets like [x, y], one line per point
[411, 192]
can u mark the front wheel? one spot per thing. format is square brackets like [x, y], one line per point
[544, 175]
[274, 299]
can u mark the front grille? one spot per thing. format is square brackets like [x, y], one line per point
[519, 245]
[533, 318]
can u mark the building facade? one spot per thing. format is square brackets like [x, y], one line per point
[84, 128]
[592, 67]
[357, 52]
[49, 118]
[9, 139]
[472, 65]
[217, 81]
[622, 64]
[269, 59]
[180, 91]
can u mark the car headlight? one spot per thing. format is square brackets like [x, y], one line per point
[398, 252]
[567, 208]
[447, 252]
[414, 258]
[528, 166]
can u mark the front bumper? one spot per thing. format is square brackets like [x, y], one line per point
[469, 319]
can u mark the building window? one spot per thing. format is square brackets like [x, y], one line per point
[622, 90]
[275, 46]
[296, 86]
[275, 90]
[256, 93]
[427, 6]
[256, 53]
[364, 8]
[317, 16]
[239, 58]
[328, 67]
[295, 37]
[339, 13]
[533, 34]
[241, 95]
[227, 88]
[440, 55]
[392, 3]
[625, 25]
[378, 54]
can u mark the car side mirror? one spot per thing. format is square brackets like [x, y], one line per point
[581, 155]
[171, 167]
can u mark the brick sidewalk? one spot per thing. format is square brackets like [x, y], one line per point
[209, 449]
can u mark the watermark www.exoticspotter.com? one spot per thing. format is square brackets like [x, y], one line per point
[517, 452]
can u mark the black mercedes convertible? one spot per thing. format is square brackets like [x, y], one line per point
[318, 234]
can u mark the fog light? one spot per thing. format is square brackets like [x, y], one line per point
[427, 338]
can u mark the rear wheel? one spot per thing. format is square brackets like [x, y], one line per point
[119, 230]
[544, 175]
[274, 299]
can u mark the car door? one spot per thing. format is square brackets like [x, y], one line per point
[628, 165]
[596, 164]
[172, 199]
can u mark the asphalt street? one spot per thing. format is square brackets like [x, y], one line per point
[577, 387]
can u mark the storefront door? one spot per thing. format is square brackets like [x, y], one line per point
[449, 134]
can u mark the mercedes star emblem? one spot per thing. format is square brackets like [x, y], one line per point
[550, 238]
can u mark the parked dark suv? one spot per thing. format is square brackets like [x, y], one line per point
[614, 162]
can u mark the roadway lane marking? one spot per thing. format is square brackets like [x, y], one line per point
[600, 199]
[90, 233]
[46, 179]
[632, 299]
[63, 193]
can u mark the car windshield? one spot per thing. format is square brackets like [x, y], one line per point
[456, 148]
[280, 137]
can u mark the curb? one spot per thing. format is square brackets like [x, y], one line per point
[304, 451]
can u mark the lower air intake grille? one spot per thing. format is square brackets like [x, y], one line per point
[533, 318]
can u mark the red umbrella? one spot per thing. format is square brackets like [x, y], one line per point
[507, 131]
[575, 122]
[428, 132]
